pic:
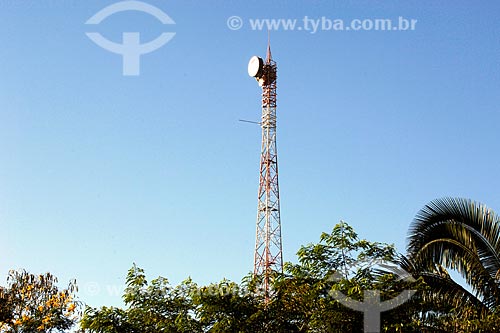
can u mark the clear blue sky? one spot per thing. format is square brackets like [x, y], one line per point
[100, 170]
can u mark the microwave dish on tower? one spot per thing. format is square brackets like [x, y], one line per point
[255, 66]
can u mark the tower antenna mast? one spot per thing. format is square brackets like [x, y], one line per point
[268, 256]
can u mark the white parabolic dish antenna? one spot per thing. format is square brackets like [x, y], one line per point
[255, 66]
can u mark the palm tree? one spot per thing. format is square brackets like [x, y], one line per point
[464, 236]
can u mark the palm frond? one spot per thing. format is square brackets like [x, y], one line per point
[463, 235]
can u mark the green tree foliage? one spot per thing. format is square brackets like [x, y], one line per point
[301, 300]
[151, 308]
[344, 263]
[226, 307]
[33, 303]
[453, 234]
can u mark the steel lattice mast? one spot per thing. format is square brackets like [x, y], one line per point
[268, 256]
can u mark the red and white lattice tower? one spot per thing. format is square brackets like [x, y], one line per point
[268, 257]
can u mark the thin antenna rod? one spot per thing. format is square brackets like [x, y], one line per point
[268, 54]
[249, 121]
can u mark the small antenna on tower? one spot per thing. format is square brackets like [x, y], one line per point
[268, 54]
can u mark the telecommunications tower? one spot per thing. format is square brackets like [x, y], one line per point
[268, 257]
